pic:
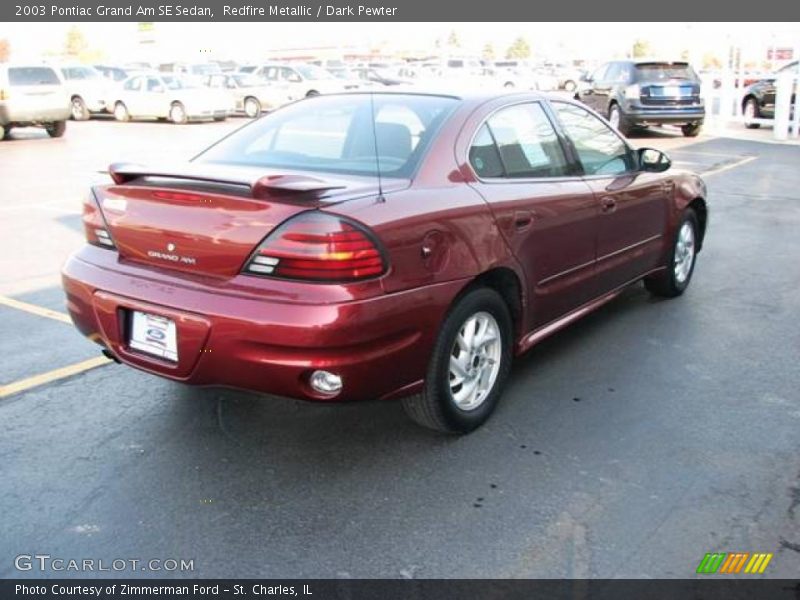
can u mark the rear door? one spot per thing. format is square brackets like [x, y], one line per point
[633, 205]
[547, 215]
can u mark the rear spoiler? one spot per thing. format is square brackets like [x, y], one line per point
[260, 187]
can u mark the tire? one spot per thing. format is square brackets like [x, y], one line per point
[451, 407]
[57, 129]
[508, 84]
[569, 86]
[220, 119]
[752, 111]
[252, 107]
[691, 129]
[671, 282]
[312, 93]
[121, 113]
[79, 110]
[177, 114]
[618, 120]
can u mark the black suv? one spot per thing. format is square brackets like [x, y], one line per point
[640, 93]
[759, 98]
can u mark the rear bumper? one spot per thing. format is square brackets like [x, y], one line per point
[22, 115]
[644, 114]
[380, 346]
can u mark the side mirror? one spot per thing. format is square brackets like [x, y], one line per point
[653, 161]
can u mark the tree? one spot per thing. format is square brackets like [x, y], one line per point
[488, 52]
[641, 49]
[453, 40]
[519, 49]
[5, 50]
[75, 43]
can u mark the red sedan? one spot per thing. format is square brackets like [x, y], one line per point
[389, 245]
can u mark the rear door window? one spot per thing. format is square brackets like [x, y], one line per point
[526, 143]
[32, 76]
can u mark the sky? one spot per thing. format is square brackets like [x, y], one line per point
[122, 42]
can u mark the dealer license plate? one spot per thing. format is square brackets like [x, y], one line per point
[155, 335]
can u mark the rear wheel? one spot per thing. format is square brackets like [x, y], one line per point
[470, 364]
[569, 86]
[177, 113]
[79, 110]
[57, 129]
[121, 112]
[312, 93]
[691, 129]
[618, 120]
[674, 280]
[252, 107]
[751, 111]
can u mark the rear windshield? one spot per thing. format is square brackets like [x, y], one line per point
[661, 71]
[338, 134]
[32, 76]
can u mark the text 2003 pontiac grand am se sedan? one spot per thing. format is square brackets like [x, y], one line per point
[278, 261]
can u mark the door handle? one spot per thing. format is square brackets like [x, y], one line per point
[608, 204]
[523, 219]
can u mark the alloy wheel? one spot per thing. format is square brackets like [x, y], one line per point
[684, 252]
[475, 361]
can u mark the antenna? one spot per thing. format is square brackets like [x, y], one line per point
[375, 139]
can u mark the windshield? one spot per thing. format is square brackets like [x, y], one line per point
[335, 134]
[247, 80]
[179, 83]
[661, 71]
[84, 73]
[312, 72]
[208, 69]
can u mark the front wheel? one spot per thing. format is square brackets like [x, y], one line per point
[177, 113]
[79, 110]
[751, 112]
[470, 364]
[252, 107]
[121, 112]
[569, 86]
[674, 280]
[57, 129]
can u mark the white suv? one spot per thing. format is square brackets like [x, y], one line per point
[32, 96]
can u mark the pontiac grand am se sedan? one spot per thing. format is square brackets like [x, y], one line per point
[279, 261]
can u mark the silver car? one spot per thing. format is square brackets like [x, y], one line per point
[32, 95]
[250, 94]
[177, 98]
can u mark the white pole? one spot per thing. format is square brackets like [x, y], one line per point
[783, 101]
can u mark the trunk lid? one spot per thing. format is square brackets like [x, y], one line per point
[208, 219]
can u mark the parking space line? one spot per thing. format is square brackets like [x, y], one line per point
[35, 310]
[738, 163]
[54, 375]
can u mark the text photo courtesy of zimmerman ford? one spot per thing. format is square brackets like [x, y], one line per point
[340, 301]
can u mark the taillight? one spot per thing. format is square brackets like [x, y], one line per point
[94, 225]
[320, 247]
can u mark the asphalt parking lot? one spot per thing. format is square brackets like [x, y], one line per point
[628, 445]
